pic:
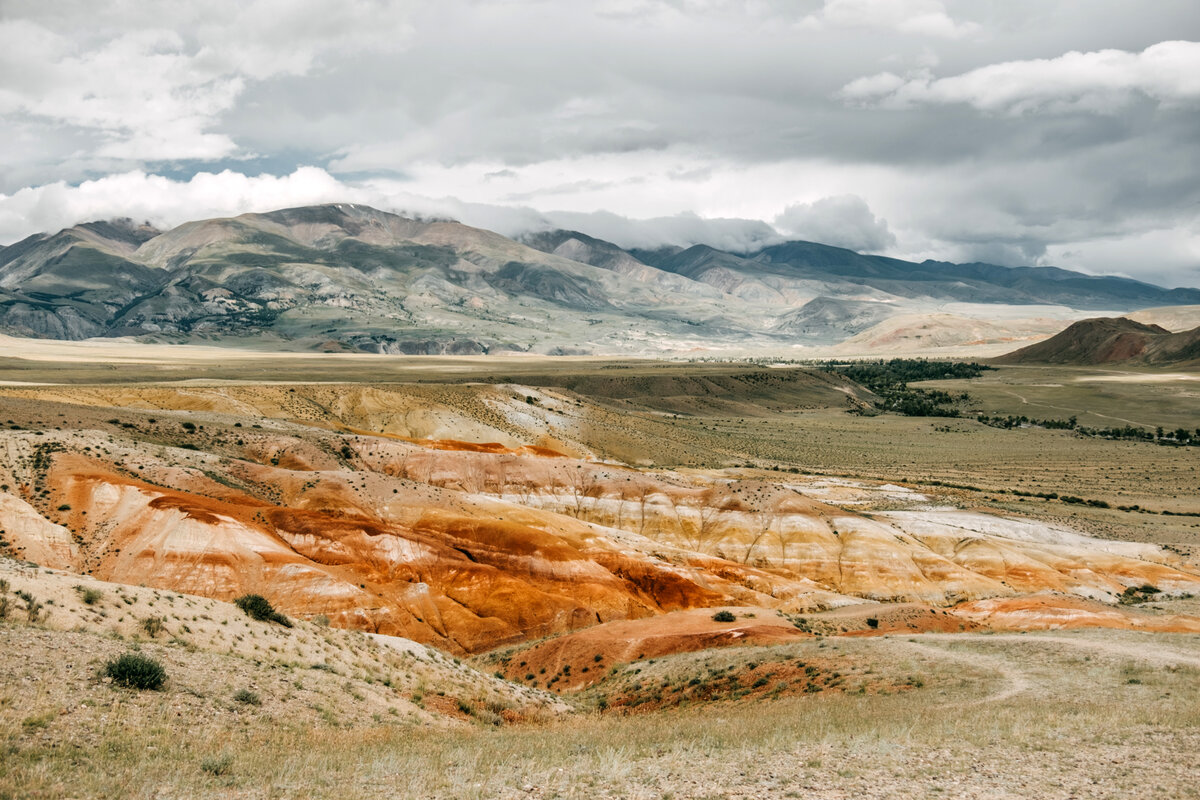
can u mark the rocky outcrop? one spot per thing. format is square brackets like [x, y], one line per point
[502, 534]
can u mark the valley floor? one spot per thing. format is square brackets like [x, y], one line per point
[621, 579]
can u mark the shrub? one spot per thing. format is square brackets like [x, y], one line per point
[724, 616]
[153, 626]
[872, 622]
[258, 607]
[90, 596]
[247, 697]
[136, 671]
[33, 608]
[218, 765]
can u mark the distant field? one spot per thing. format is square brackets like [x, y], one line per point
[1099, 397]
[720, 414]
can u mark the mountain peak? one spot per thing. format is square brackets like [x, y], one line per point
[121, 229]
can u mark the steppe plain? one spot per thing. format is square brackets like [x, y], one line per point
[503, 574]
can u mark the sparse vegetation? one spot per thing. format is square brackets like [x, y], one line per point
[815, 694]
[258, 607]
[217, 765]
[136, 671]
[89, 595]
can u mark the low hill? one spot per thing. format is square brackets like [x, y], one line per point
[224, 670]
[456, 516]
[1112, 340]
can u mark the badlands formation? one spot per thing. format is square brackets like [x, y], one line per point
[470, 517]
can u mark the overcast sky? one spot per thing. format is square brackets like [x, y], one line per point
[1014, 131]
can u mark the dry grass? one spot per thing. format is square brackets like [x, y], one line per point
[215, 658]
[1075, 726]
[1100, 714]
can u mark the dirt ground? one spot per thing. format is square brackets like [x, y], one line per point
[889, 710]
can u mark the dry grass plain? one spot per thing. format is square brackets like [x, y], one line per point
[1079, 715]
[1064, 714]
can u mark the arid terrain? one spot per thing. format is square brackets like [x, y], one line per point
[618, 400]
[589, 578]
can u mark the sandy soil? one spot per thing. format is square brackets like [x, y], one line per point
[859, 662]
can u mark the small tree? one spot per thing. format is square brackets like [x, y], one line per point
[642, 492]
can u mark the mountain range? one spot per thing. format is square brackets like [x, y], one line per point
[344, 277]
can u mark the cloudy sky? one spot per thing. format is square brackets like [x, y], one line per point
[1061, 132]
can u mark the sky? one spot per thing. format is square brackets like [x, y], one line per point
[1045, 132]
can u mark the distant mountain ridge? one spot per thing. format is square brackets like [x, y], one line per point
[350, 277]
[1112, 340]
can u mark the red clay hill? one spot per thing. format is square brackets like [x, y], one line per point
[1112, 340]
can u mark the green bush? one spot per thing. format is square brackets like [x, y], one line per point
[258, 607]
[90, 596]
[247, 697]
[724, 616]
[153, 626]
[218, 765]
[136, 671]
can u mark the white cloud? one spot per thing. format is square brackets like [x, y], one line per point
[843, 220]
[157, 91]
[669, 113]
[1175, 253]
[678, 230]
[166, 203]
[138, 89]
[1102, 81]
[1169, 253]
[163, 201]
[917, 17]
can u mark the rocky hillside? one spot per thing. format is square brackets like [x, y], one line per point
[473, 516]
[350, 278]
[1108, 340]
